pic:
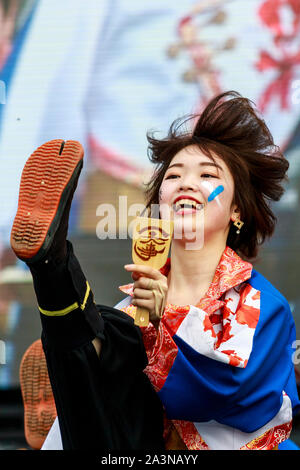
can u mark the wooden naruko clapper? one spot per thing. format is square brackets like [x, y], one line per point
[150, 246]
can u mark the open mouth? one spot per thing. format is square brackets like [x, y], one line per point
[187, 206]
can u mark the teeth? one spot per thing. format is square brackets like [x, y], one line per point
[187, 204]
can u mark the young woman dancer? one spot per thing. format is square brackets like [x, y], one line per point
[220, 343]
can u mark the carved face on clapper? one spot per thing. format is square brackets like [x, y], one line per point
[151, 242]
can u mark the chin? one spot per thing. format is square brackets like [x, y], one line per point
[188, 231]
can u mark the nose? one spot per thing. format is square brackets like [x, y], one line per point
[188, 184]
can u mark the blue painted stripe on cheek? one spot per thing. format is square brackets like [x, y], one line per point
[215, 193]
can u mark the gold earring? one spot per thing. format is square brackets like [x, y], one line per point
[238, 223]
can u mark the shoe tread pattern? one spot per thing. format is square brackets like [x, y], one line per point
[38, 400]
[44, 178]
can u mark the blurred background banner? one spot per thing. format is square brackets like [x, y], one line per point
[105, 72]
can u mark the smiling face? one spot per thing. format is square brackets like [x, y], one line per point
[195, 186]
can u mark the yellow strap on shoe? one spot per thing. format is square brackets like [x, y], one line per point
[70, 308]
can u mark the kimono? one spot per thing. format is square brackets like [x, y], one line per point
[223, 368]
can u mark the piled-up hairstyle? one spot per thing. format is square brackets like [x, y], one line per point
[230, 128]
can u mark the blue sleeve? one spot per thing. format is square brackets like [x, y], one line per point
[199, 388]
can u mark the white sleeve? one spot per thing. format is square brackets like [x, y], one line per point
[53, 439]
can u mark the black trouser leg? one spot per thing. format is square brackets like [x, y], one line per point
[104, 402]
[66, 303]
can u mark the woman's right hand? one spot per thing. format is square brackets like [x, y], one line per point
[150, 290]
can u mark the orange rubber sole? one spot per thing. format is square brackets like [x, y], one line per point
[46, 182]
[39, 405]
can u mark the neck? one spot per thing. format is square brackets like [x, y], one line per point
[192, 271]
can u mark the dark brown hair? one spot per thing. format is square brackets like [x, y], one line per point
[231, 128]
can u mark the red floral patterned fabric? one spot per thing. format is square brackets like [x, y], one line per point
[229, 309]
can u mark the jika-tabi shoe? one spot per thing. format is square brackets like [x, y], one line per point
[48, 182]
[39, 405]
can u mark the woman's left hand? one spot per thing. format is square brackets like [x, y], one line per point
[149, 290]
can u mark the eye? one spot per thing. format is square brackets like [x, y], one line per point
[208, 175]
[171, 176]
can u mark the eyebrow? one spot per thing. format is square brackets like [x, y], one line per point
[180, 165]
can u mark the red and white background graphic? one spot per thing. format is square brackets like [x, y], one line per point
[117, 69]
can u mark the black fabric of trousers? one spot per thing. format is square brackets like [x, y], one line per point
[106, 402]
